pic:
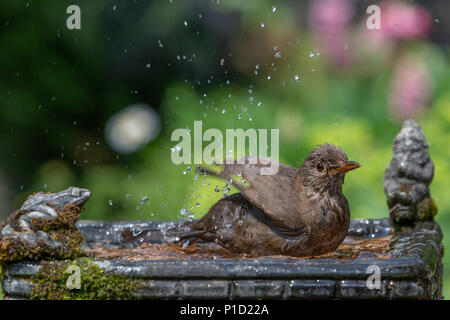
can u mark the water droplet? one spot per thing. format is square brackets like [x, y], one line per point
[144, 199]
[297, 78]
[313, 54]
[277, 55]
[262, 24]
[274, 8]
[137, 230]
[148, 65]
[185, 23]
[222, 61]
[110, 202]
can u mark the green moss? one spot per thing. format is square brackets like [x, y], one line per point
[62, 231]
[16, 249]
[96, 283]
[426, 209]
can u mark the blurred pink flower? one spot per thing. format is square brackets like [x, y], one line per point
[410, 89]
[330, 17]
[399, 21]
[404, 21]
[330, 21]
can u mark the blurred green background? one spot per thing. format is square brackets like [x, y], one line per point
[310, 68]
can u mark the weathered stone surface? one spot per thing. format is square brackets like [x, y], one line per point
[109, 232]
[280, 268]
[24, 269]
[213, 289]
[158, 289]
[408, 289]
[357, 289]
[413, 271]
[408, 176]
[311, 289]
[17, 287]
[44, 227]
[258, 289]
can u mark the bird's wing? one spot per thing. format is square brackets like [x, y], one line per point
[272, 194]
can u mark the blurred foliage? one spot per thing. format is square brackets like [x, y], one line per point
[198, 60]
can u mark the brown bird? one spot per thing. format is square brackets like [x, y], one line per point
[293, 212]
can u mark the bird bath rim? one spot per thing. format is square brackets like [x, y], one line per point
[414, 272]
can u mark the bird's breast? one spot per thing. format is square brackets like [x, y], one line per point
[324, 214]
[332, 223]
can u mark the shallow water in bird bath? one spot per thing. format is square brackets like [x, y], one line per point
[351, 248]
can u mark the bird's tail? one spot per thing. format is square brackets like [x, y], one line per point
[131, 238]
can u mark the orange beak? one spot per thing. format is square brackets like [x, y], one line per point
[346, 166]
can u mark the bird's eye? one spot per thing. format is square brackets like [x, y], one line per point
[319, 166]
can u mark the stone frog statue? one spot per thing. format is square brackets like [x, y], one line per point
[407, 178]
[44, 226]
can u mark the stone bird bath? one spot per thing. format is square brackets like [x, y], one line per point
[43, 254]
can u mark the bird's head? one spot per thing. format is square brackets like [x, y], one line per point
[325, 167]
